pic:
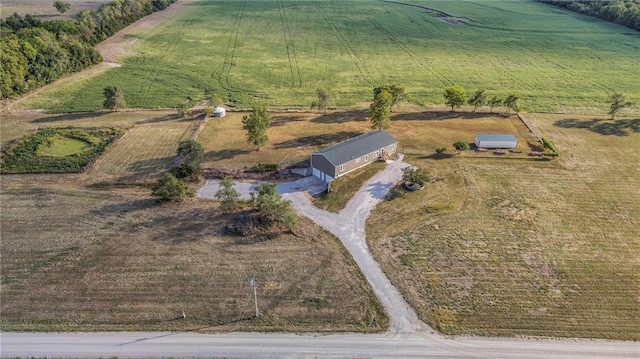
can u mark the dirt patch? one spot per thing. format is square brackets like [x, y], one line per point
[451, 20]
[121, 43]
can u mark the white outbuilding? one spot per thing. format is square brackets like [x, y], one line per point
[219, 112]
[496, 141]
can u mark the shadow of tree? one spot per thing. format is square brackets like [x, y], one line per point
[162, 119]
[119, 208]
[603, 127]
[224, 154]
[379, 189]
[151, 165]
[342, 117]
[187, 225]
[436, 156]
[444, 115]
[70, 117]
[317, 140]
[281, 120]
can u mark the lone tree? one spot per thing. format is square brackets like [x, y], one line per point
[454, 96]
[511, 103]
[618, 102]
[380, 110]
[493, 102]
[114, 99]
[170, 189]
[397, 93]
[256, 125]
[61, 6]
[323, 101]
[272, 208]
[183, 109]
[227, 195]
[415, 176]
[190, 153]
[479, 98]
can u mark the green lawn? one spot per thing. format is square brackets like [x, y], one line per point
[60, 146]
[279, 52]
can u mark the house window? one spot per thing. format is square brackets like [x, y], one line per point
[342, 167]
[358, 160]
[366, 158]
[376, 154]
[393, 147]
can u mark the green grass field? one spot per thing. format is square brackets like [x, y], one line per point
[279, 52]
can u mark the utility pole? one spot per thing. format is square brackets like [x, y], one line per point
[252, 283]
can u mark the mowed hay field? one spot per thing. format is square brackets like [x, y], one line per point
[80, 259]
[494, 247]
[280, 52]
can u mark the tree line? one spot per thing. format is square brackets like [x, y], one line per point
[623, 12]
[35, 52]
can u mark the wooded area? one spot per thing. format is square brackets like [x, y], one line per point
[623, 12]
[35, 52]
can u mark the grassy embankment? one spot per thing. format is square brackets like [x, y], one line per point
[275, 52]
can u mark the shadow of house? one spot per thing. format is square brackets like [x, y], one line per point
[603, 127]
[317, 140]
[70, 117]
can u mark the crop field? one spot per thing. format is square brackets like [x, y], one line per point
[496, 247]
[279, 52]
[81, 259]
[43, 9]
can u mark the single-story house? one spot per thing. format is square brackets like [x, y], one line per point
[496, 141]
[219, 112]
[344, 157]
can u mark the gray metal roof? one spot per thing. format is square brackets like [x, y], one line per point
[496, 137]
[356, 147]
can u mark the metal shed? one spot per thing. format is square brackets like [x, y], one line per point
[496, 141]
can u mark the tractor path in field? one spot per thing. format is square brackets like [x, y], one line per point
[349, 226]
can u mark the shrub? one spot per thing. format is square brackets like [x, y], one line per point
[461, 145]
[549, 148]
[416, 175]
[170, 189]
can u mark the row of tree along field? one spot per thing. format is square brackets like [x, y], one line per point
[623, 12]
[35, 52]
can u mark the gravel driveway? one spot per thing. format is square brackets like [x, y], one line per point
[349, 226]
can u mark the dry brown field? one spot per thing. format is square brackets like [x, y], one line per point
[75, 258]
[495, 247]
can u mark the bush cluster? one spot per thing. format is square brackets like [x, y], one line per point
[265, 167]
[549, 148]
[23, 156]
